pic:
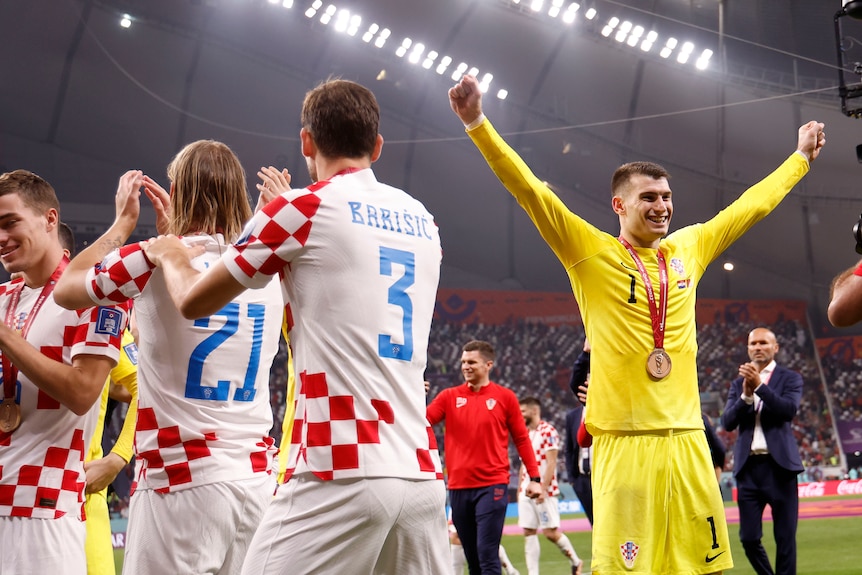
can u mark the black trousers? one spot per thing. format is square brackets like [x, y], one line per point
[761, 481]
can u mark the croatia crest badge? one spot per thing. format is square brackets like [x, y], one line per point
[629, 549]
[490, 403]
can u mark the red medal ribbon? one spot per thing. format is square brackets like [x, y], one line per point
[10, 372]
[658, 314]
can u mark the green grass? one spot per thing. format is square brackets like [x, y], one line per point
[826, 547]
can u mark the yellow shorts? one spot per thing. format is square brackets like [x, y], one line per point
[657, 505]
[99, 546]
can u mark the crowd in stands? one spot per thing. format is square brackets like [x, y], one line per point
[535, 359]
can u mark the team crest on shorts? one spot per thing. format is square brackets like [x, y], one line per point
[490, 403]
[629, 550]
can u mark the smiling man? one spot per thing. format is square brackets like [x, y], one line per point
[480, 415]
[636, 293]
[54, 366]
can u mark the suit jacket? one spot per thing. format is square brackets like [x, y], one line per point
[781, 397]
[573, 420]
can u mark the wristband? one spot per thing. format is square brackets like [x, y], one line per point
[536, 479]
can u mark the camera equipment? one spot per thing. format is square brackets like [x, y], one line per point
[857, 233]
[852, 8]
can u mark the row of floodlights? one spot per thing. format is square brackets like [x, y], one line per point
[633, 35]
[415, 52]
[623, 32]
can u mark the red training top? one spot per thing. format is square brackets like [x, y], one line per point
[476, 439]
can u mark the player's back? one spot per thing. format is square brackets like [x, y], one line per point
[361, 284]
[204, 413]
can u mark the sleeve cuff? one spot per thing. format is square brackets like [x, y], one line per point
[475, 123]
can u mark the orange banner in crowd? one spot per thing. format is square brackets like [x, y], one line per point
[497, 307]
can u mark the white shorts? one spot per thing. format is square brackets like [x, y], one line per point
[39, 546]
[366, 525]
[204, 529]
[534, 515]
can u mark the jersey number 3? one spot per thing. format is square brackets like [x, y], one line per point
[398, 296]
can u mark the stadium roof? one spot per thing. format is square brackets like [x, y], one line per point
[85, 98]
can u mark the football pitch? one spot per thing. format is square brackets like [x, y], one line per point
[827, 546]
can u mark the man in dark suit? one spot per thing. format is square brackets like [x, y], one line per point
[578, 459]
[761, 403]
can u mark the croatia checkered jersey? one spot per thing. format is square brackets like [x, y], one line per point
[360, 264]
[544, 439]
[203, 385]
[42, 462]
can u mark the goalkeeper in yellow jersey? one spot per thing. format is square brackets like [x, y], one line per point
[657, 507]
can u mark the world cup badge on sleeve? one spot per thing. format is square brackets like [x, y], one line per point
[108, 321]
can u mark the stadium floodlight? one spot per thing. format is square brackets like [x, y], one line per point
[609, 27]
[703, 61]
[341, 20]
[353, 27]
[416, 53]
[402, 49]
[536, 5]
[287, 4]
[327, 15]
[273, 1]
[381, 39]
[429, 60]
[502, 94]
[571, 12]
[126, 21]
[459, 71]
[623, 31]
[369, 34]
[591, 14]
[444, 63]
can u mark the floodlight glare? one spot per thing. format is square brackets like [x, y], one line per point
[502, 94]
[126, 21]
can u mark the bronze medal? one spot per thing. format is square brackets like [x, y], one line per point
[10, 416]
[658, 363]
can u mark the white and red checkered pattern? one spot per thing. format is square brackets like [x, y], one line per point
[41, 462]
[121, 275]
[203, 385]
[544, 439]
[360, 264]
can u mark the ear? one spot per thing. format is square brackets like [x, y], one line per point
[618, 205]
[171, 191]
[52, 218]
[308, 147]
[378, 148]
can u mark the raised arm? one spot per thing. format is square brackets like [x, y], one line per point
[845, 301]
[71, 291]
[194, 293]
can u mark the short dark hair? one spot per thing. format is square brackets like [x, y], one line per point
[67, 237]
[485, 349]
[342, 118]
[36, 193]
[531, 401]
[624, 173]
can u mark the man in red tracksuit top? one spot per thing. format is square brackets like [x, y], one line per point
[480, 415]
